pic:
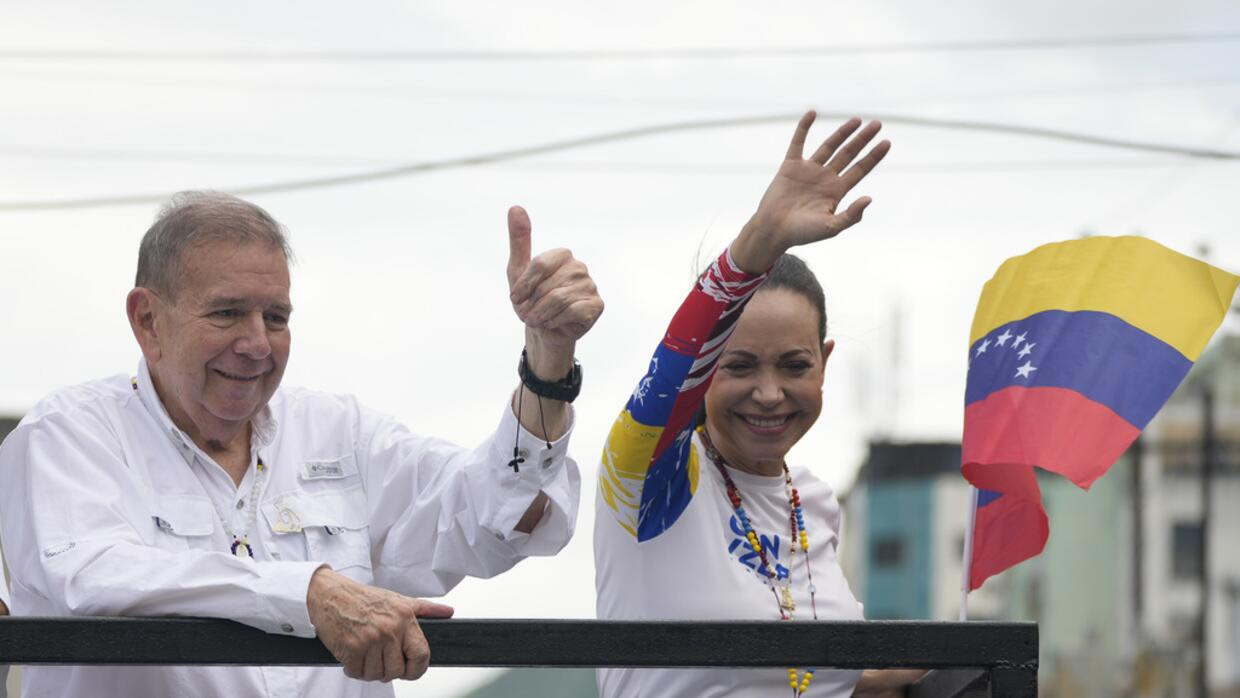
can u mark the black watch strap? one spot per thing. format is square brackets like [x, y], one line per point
[565, 389]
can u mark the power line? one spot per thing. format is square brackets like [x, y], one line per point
[624, 135]
[598, 166]
[953, 167]
[287, 56]
[145, 155]
[423, 92]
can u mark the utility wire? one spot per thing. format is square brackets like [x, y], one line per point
[949, 167]
[188, 157]
[624, 135]
[575, 98]
[287, 56]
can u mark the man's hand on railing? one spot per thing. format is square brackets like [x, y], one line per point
[886, 683]
[373, 632]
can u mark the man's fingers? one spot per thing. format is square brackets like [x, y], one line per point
[430, 609]
[863, 166]
[417, 652]
[393, 659]
[581, 314]
[570, 278]
[372, 664]
[545, 265]
[797, 146]
[519, 232]
[834, 140]
[853, 146]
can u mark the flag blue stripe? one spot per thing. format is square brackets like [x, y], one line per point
[652, 402]
[665, 494]
[985, 497]
[1093, 353]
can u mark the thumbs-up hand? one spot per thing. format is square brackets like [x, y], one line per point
[553, 295]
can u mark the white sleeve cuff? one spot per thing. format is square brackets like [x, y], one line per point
[538, 469]
[283, 587]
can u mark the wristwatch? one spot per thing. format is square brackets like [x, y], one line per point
[565, 389]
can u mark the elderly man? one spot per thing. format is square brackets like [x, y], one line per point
[198, 487]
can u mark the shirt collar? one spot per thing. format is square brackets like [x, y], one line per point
[264, 423]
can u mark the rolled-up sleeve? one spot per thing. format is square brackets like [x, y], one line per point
[441, 512]
[78, 532]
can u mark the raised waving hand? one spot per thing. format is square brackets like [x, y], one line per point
[802, 204]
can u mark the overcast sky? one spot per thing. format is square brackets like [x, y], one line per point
[400, 287]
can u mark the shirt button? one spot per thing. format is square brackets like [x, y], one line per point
[499, 535]
[275, 556]
[240, 504]
[547, 462]
[286, 628]
[523, 453]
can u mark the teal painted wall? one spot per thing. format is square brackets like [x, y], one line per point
[1077, 589]
[899, 510]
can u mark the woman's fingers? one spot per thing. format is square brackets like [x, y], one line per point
[863, 166]
[840, 222]
[797, 146]
[850, 150]
[833, 141]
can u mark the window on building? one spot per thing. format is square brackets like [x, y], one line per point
[888, 551]
[1186, 550]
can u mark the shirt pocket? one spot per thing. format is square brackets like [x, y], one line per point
[183, 521]
[324, 526]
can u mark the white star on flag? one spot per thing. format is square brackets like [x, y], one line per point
[1019, 338]
[982, 349]
[1024, 371]
[1028, 348]
[1002, 339]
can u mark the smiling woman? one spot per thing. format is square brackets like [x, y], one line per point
[701, 518]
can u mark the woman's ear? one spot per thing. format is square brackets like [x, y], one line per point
[827, 347]
[142, 307]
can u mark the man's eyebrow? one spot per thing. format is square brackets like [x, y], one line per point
[232, 302]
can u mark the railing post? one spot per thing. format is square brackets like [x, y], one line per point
[1019, 682]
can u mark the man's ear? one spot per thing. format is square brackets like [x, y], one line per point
[143, 306]
[827, 347]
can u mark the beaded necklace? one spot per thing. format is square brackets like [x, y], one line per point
[799, 539]
[240, 546]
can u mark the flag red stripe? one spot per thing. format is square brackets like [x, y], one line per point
[1008, 530]
[1056, 429]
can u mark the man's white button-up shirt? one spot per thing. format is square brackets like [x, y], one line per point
[109, 509]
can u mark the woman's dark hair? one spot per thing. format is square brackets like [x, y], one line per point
[790, 272]
[793, 274]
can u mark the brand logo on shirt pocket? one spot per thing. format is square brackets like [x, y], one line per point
[327, 469]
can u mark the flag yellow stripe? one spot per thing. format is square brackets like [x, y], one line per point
[1173, 297]
[625, 463]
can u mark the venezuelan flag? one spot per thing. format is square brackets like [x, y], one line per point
[1075, 346]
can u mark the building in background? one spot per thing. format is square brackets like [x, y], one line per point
[1117, 591]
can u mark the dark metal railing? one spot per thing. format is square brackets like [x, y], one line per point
[975, 658]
